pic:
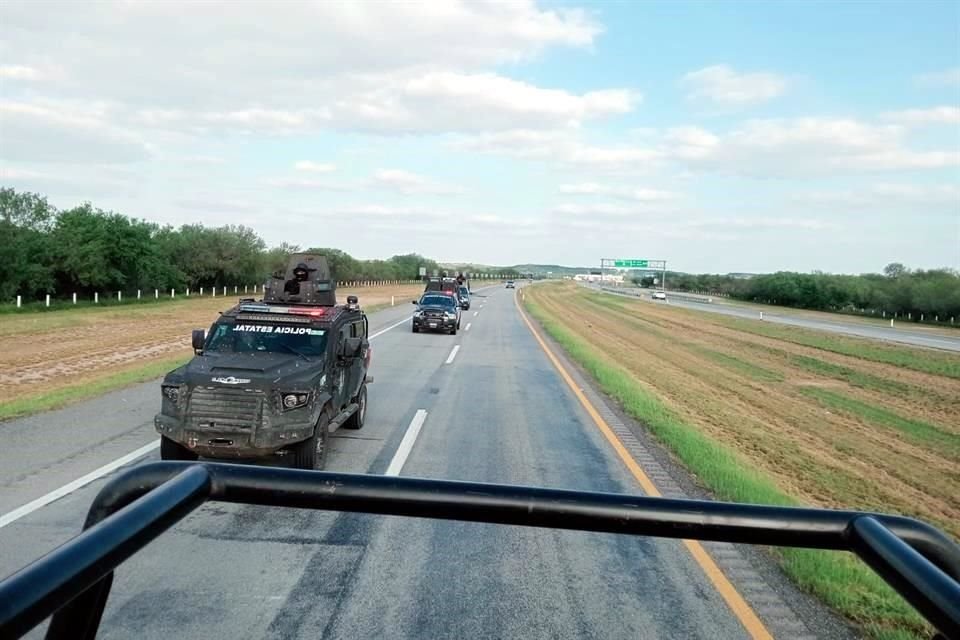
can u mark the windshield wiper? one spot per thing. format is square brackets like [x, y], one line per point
[296, 351]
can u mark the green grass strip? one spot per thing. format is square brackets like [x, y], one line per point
[851, 376]
[838, 579]
[740, 366]
[916, 359]
[70, 395]
[918, 431]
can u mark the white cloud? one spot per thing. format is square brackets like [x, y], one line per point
[944, 78]
[883, 197]
[39, 133]
[805, 147]
[779, 147]
[723, 85]
[761, 224]
[933, 115]
[308, 184]
[639, 194]
[563, 147]
[314, 167]
[299, 67]
[409, 183]
[600, 210]
[19, 72]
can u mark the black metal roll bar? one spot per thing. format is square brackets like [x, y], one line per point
[72, 582]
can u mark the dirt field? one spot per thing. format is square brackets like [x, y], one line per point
[831, 429]
[45, 352]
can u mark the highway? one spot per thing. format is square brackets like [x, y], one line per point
[917, 337]
[490, 406]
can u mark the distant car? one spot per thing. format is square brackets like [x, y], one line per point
[464, 298]
[659, 295]
[437, 311]
[510, 284]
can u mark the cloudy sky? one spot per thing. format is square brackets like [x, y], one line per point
[718, 136]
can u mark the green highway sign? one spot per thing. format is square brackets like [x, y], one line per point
[636, 264]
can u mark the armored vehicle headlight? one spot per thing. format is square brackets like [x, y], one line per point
[171, 392]
[294, 400]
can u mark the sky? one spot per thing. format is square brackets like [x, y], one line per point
[718, 136]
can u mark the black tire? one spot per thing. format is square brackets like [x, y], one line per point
[453, 331]
[416, 329]
[311, 454]
[360, 415]
[170, 450]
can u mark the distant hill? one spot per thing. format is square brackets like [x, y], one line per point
[536, 269]
[555, 269]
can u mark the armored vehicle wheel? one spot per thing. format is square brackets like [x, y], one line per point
[312, 453]
[170, 450]
[360, 415]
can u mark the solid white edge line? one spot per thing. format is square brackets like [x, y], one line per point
[70, 487]
[406, 445]
[453, 353]
[82, 481]
[469, 324]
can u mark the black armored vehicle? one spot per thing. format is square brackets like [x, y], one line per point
[271, 377]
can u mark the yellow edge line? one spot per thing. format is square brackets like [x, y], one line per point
[744, 613]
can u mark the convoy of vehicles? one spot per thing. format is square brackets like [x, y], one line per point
[271, 377]
[279, 374]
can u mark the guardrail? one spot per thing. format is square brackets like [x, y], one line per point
[73, 581]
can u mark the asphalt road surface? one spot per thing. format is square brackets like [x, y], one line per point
[916, 337]
[493, 410]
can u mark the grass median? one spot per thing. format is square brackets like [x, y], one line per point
[64, 396]
[838, 579]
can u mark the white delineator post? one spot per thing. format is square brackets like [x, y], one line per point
[891, 323]
[96, 297]
[18, 302]
[761, 315]
[171, 293]
[213, 291]
[224, 289]
[156, 294]
[119, 296]
[48, 300]
[138, 294]
[74, 297]
[392, 301]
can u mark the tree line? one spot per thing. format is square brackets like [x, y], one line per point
[45, 250]
[898, 291]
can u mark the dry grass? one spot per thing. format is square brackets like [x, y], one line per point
[891, 442]
[761, 419]
[46, 354]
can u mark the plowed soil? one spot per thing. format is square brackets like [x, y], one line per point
[749, 392]
[44, 352]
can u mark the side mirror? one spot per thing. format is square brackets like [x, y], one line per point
[197, 338]
[351, 347]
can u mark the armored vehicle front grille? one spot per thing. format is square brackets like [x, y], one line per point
[225, 410]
